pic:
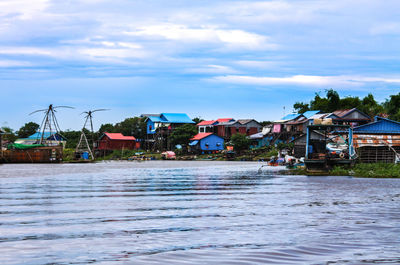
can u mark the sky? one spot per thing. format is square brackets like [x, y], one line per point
[209, 59]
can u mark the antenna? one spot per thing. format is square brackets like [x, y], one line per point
[83, 144]
[49, 122]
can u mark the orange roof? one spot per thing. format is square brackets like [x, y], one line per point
[205, 123]
[119, 136]
[200, 136]
[224, 119]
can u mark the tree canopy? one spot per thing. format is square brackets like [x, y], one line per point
[28, 129]
[240, 142]
[332, 101]
[183, 134]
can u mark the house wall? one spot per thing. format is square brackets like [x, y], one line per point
[106, 143]
[210, 143]
[355, 115]
[150, 127]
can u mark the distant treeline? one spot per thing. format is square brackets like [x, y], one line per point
[332, 101]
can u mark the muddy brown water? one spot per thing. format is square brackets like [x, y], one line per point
[161, 212]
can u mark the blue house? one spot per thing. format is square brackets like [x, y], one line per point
[207, 142]
[378, 141]
[165, 120]
[379, 126]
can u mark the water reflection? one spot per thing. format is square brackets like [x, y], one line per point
[187, 212]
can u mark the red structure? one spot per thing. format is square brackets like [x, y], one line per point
[116, 141]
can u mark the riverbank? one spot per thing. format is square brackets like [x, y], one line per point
[262, 154]
[373, 170]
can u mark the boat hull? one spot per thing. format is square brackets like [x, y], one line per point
[44, 154]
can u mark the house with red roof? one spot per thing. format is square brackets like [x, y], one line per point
[206, 142]
[117, 141]
[211, 125]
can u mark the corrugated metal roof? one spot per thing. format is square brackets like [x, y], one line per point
[176, 118]
[245, 121]
[200, 136]
[206, 123]
[225, 119]
[46, 135]
[310, 113]
[380, 126]
[361, 140]
[227, 123]
[120, 136]
[342, 112]
[290, 117]
[156, 119]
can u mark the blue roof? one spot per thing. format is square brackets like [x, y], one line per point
[156, 119]
[176, 118]
[46, 135]
[381, 125]
[291, 116]
[310, 113]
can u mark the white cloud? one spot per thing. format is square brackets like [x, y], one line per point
[304, 80]
[112, 53]
[212, 69]
[211, 34]
[23, 9]
[25, 51]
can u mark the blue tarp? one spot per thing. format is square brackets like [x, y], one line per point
[193, 143]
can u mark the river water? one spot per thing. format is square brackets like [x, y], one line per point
[161, 212]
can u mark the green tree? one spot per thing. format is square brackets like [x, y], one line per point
[392, 108]
[28, 129]
[319, 103]
[183, 134]
[72, 138]
[240, 142]
[198, 120]
[370, 106]
[132, 126]
[301, 107]
[265, 123]
[333, 100]
[108, 127]
[9, 134]
[350, 102]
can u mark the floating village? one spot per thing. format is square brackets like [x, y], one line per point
[319, 141]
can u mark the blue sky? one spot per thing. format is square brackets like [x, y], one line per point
[240, 59]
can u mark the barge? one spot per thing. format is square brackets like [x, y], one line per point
[334, 149]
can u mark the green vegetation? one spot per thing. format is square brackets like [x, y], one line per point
[240, 142]
[9, 134]
[28, 129]
[373, 170]
[183, 134]
[332, 101]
